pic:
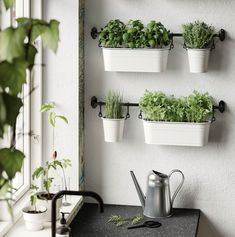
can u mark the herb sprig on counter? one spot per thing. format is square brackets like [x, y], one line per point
[119, 220]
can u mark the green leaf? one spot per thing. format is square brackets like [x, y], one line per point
[47, 183]
[33, 199]
[52, 118]
[13, 75]
[66, 163]
[12, 43]
[63, 118]
[11, 161]
[31, 52]
[13, 105]
[50, 36]
[37, 30]
[34, 187]
[38, 172]
[47, 107]
[3, 114]
[8, 3]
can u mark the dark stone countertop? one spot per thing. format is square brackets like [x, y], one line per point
[90, 223]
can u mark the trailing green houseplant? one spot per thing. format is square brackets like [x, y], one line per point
[17, 57]
[113, 121]
[198, 39]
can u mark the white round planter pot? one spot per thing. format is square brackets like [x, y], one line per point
[176, 133]
[135, 60]
[113, 129]
[198, 60]
[47, 204]
[34, 221]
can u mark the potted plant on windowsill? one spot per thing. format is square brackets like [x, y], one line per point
[134, 47]
[176, 121]
[34, 216]
[198, 40]
[55, 165]
[113, 122]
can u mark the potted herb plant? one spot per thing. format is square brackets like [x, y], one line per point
[198, 40]
[176, 121]
[45, 172]
[34, 216]
[134, 47]
[113, 122]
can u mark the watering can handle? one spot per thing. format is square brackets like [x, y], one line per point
[180, 185]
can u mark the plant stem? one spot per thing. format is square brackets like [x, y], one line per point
[65, 182]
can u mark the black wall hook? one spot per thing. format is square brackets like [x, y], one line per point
[94, 33]
[220, 107]
[221, 35]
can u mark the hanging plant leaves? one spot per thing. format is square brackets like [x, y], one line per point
[50, 37]
[2, 115]
[49, 32]
[12, 105]
[31, 52]
[13, 75]
[8, 3]
[11, 161]
[38, 28]
[12, 43]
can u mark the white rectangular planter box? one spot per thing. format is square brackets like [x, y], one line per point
[135, 60]
[176, 133]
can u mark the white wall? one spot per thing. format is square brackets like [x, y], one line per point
[209, 171]
[60, 84]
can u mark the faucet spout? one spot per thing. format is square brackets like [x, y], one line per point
[138, 189]
[73, 193]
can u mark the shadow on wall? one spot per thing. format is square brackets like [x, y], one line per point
[206, 228]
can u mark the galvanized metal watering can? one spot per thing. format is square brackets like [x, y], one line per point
[158, 201]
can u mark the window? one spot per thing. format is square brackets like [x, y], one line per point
[21, 182]
[25, 130]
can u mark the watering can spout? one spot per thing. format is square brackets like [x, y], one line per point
[138, 189]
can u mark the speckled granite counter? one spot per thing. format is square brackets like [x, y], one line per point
[90, 223]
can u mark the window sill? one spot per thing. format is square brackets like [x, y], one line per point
[18, 228]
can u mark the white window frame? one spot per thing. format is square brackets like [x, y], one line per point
[33, 116]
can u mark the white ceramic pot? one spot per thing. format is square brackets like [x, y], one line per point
[198, 60]
[135, 60]
[113, 129]
[47, 204]
[176, 133]
[34, 221]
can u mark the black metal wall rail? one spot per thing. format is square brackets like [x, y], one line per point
[94, 103]
[221, 34]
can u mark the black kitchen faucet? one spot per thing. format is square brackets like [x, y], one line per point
[73, 193]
